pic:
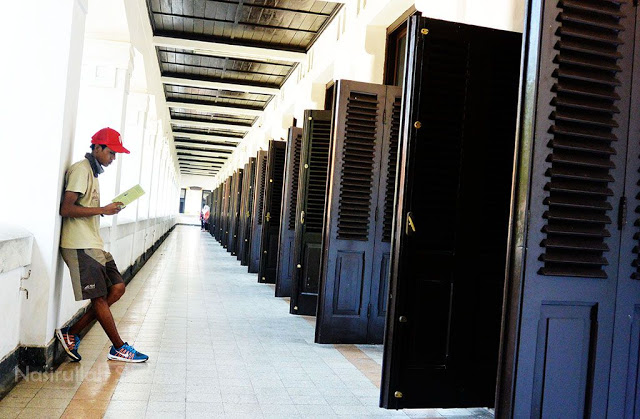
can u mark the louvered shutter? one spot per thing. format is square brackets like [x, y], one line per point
[288, 216]
[577, 110]
[272, 205]
[585, 105]
[392, 169]
[256, 213]
[248, 193]
[263, 176]
[349, 233]
[314, 159]
[242, 213]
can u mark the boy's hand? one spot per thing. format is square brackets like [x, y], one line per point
[113, 208]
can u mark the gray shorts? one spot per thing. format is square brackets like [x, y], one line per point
[92, 271]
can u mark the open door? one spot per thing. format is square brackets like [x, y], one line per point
[256, 213]
[288, 214]
[226, 209]
[272, 206]
[236, 191]
[307, 249]
[245, 235]
[212, 213]
[351, 284]
[244, 211]
[571, 334]
[452, 213]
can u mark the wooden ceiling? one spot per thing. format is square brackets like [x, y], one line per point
[222, 62]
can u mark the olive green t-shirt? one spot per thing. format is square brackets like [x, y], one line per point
[82, 232]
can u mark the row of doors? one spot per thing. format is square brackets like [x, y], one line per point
[559, 337]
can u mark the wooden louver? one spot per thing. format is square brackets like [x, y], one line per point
[294, 187]
[584, 97]
[357, 174]
[319, 160]
[392, 170]
[263, 174]
[278, 179]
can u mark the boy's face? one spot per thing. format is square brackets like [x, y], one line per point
[104, 155]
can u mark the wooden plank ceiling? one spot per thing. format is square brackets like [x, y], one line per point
[222, 62]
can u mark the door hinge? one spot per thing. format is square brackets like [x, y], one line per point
[384, 117]
[369, 311]
[622, 213]
[376, 216]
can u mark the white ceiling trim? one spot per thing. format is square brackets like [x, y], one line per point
[233, 87]
[205, 146]
[229, 110]
[228, 50]
[205, 137]
[212, 125]
[202, 153]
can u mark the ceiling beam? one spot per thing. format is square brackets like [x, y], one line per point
[205, 137]
[212, 125]
[203, 153]
[229, 110]
[222, 147]
[228, 50]
[217, 160]
[233, 87]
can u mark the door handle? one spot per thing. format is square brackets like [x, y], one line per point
[302, 217]
[410, 228]
[268, 216]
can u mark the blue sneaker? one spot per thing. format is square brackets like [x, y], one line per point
[126, 353]
[70, 343]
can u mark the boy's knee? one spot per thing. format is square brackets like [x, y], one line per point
[118, 291]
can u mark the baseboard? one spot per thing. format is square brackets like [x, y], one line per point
[26, 359]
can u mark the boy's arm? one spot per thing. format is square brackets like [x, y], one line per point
[70, 209]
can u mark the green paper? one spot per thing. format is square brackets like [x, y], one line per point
[129, 196]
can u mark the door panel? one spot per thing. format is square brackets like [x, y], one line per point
[272, 207]
[288, 215]
[570, 197]
[256, 214]
[242, 213]
[226, 210]
[235, 212]
[314, 160]
[360, 136]
[624, 400]
[450, 228]
[247, 193]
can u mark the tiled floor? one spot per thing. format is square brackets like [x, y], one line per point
[220, 345]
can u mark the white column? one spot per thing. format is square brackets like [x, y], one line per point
[37, 121]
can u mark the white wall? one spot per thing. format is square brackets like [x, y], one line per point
[43, 130]
[353, 47]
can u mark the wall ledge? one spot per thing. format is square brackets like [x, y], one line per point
[16, 245]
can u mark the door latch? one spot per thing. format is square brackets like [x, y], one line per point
[410, 227]
[301, 217]
[268, 216]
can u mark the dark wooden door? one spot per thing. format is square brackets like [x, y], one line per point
[384, 217]
[571, 326]
[360, 136]
[219, 210]
[450, 234]
[256, 214]
[624, 387]
[245, 235]
[272, 209]
[235, 211]
[288, 214]
[307, 250]
[242, 224]
[226, 208]
[214, 213]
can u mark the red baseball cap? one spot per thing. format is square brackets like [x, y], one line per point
[111, 138]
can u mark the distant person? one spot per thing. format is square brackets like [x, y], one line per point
[205, 216]
[94, 275]
[202, 219]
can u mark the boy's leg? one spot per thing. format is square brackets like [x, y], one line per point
[115, 292]
[104, 316]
